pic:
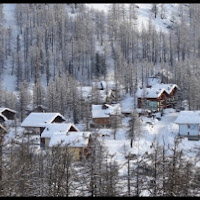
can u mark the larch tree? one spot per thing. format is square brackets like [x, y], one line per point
[24, 99]
[134, 130]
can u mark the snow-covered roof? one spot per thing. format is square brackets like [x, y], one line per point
[3, 109]
[40, 119]
[156, 90]
[99, 112]
[153, 80]
[73, 139]
[188, 117]
[168, 87]
[57, 127]
[149, 92]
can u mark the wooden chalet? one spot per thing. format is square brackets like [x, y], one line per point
[152, 99]
[104, 115]
[157, 97]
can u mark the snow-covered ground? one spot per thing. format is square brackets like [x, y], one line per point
[164, 130]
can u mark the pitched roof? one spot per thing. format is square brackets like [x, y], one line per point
[168, 87]
[3, 109]
[99, 112]
[57, 127]
[73, 139]
[156, 90]
[188, 117]
[149, 92]
[40, 119]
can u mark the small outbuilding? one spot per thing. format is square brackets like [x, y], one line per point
[104, 115]
[189, 124]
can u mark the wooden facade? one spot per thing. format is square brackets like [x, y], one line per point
[172, 98]
[102, 121]
[161, 102]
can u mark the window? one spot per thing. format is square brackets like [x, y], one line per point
[188, 126]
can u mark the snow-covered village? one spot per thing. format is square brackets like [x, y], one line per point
[99, 100]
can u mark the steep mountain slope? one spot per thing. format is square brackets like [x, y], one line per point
[144, 14]
[8, 80]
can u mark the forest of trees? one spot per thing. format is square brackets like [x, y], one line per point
[56, 49]
[163, 171]
[55, 45]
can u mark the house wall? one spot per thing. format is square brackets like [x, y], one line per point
[102, 121]
[47, 140]
[77, 152]
[173, 92]
[151, 102]
[189, 129]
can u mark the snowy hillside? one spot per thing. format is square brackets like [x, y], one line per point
[143, 10]
[92, 69]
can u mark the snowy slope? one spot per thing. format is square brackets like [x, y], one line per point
[144, 14]
[144, 11]
[164, 130]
